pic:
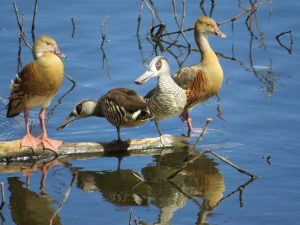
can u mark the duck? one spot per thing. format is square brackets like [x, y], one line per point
[36, 85]
[167, 99]
[122, 107]
[202, 80]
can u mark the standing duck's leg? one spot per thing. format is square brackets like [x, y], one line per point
[119, 136]
[48, 143]
[164, 139]
[28, 140]
[185, 117]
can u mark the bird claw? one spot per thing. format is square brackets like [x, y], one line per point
[29, 141]
[50, 144]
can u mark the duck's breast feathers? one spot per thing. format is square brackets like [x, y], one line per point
[49, 71]
[43, 77]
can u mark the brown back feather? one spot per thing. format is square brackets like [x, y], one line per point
[126, 98]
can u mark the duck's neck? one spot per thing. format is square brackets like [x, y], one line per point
[95, 107]
[165, 80]
[208, 56]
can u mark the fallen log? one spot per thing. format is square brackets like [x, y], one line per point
[11, 151]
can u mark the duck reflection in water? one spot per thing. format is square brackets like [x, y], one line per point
[200, 180]
[27, 207]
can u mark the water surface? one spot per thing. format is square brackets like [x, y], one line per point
[255, 123]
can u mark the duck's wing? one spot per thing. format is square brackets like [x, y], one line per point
[126, 98]
[195, 80]
[21, 90]
[187, 75]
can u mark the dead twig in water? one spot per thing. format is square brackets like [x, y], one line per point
[2, 196]
[191, 161]
[211, 7]
[239, 189]
[74, 178]
[289, 49]
[137, 176]
[33, 20]
[70, 79]
[203, 132]
[104, 28]
[250, 9]
[207, 150]
[22, 33]
[130, 217]
[180, 26]
[59, 101]
[19, 66]
[136, 220]
[73, 26]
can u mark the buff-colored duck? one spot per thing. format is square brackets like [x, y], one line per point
[202, 80]
[36, 85]
[167, 99]
[122, 107]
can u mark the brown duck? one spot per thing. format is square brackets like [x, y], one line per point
[202, 80]
[36, 85]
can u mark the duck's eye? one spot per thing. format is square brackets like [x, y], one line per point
[78, 108]
[158, 65]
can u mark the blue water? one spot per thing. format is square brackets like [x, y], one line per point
[257, 127]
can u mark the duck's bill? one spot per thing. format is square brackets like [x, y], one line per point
[58, 53]
[144, 77]
[219, 33]
[67, 122]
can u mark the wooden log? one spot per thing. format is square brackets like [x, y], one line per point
[11, 151]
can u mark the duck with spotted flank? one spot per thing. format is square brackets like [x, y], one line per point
[122, 107]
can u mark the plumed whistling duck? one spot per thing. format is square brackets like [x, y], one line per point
[167, 99]
[122, 107]
[36, 85]
[202, 80]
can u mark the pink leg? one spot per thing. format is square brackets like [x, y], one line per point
[185, 116]
[48, 143]
[28, 140]
[189, 124]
